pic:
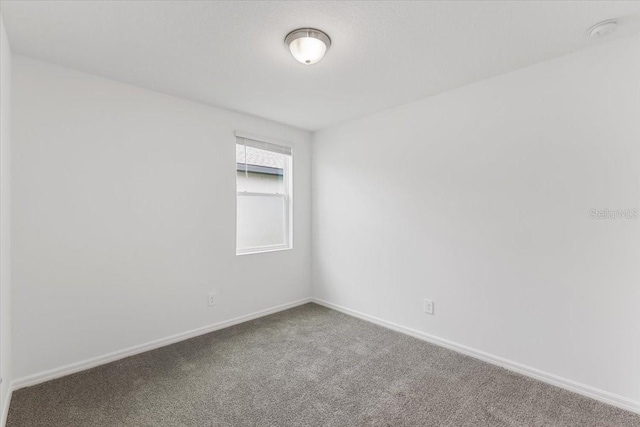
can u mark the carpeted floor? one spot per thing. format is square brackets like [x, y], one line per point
[308, 366]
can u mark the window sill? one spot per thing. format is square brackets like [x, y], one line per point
[263, 249]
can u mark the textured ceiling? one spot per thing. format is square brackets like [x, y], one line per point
[231, 54]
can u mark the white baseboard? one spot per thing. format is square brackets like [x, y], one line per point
[583, 389]
[131, 351]
[5, 406]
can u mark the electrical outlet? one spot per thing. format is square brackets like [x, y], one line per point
[428, 306]
[213, 296]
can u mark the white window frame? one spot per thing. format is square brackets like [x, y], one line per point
[257, 141]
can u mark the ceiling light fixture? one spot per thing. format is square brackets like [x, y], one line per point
[307, 45]
[603, 28]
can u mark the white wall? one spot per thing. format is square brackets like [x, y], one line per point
[5, 221]
[124, 218]
[479, 199]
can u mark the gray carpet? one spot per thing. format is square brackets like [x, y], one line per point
[308, 366]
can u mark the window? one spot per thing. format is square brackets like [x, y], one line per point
[263, 201]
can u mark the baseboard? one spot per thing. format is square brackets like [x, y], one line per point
[131, 351]
[5, 406]
[583, 389]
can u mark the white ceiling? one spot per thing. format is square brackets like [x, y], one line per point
[231, 54]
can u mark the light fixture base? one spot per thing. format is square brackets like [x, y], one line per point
[603, 28]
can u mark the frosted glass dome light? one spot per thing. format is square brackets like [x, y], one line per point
[307, 45]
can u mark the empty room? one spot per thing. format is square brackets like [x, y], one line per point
[319, 213]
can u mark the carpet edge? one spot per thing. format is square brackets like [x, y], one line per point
[554, 380]
[83, 365]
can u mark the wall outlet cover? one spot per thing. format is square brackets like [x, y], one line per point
[428, 306]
